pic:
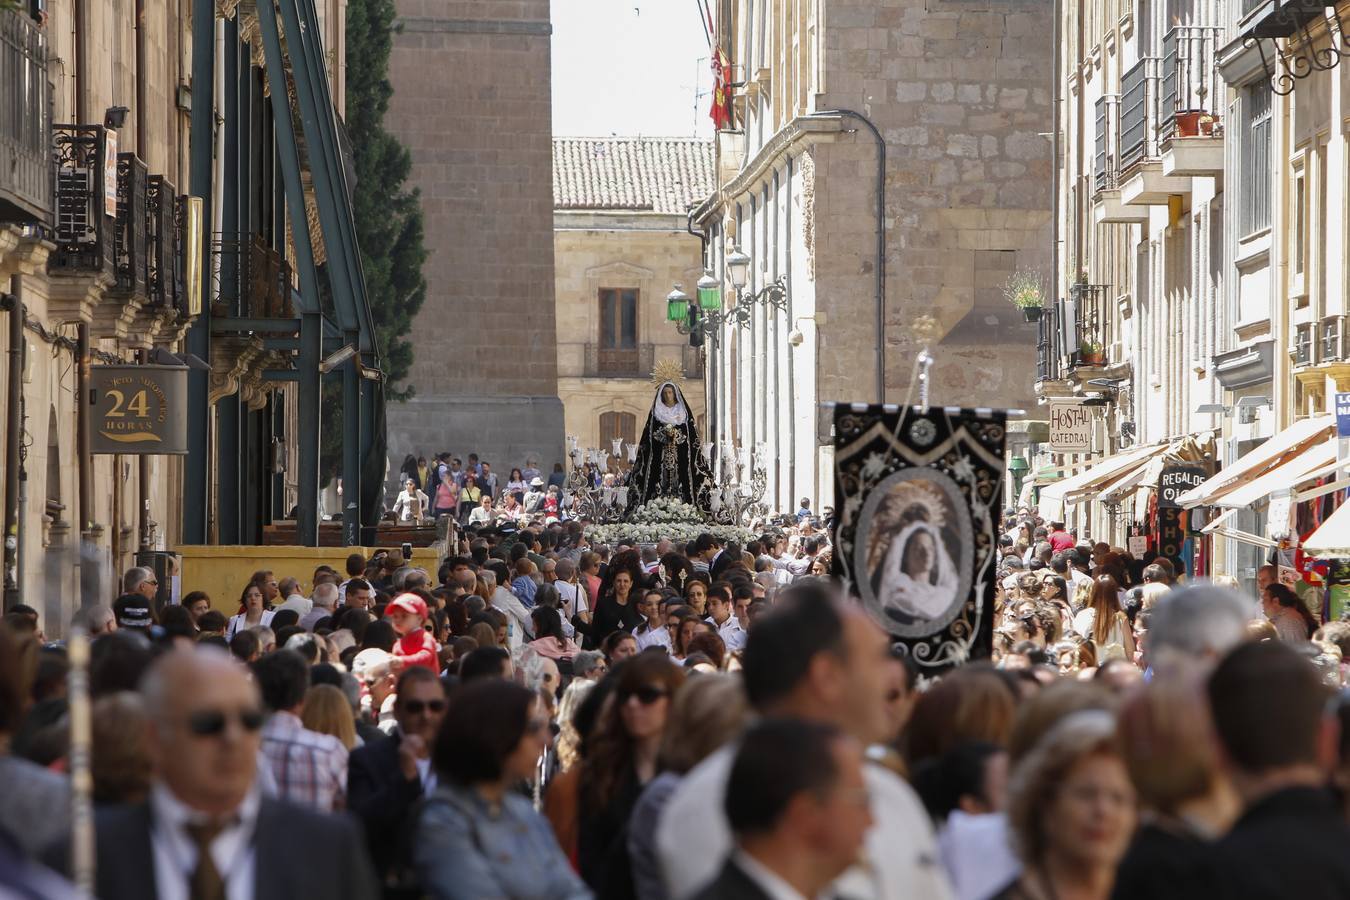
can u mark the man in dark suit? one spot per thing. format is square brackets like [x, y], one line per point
[387, 778]
[206, 830]
[1278, 745]
[797, 804]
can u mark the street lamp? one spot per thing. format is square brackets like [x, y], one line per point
[677, 305]
[738, 267]
[709, 292]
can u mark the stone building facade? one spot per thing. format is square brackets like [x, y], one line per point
[90, 80]
[620, 244]
[958, 95]
[466, 73]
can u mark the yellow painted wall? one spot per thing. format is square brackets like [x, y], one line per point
[223, 571]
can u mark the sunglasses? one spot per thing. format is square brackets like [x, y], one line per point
[647, 695]
[417, 707]
[212, 722]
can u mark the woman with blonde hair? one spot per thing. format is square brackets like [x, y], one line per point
[709, 711]
[328, 712]
[1071, 808]
[1169, 746]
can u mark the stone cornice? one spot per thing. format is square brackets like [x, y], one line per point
[616, 220]
[788, 140]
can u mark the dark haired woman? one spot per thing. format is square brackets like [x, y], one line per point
[1292, 620]
[617, 609]
[476, 837]
[621, 757]
[549, 638]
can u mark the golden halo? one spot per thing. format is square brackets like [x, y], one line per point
[668, 370]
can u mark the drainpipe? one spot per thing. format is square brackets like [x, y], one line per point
[86, 472]
[13, 441]
[881, 244]
[1056, 126]
[81, 61]
[142, 356]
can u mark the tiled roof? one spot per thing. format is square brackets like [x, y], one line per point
[664, 175]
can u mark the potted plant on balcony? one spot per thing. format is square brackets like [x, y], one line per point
[1091, 353]
[1023, 291]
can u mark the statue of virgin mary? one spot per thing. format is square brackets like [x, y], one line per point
[669, 462]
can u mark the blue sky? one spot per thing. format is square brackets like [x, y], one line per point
[629, 67]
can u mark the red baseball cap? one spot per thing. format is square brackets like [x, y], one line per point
[408, 603]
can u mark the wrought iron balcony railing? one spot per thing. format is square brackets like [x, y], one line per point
[1106, 150]
[129, 226]
[25, 121]
[255, 279]
[619, 362]
[164, 237]
[1331, 340]
[1191, 89]
[84, 209]
[1303, 345]
[1074, 333]
[1138, 113]
[1091, 317]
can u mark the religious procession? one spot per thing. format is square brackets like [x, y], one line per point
[859, 451]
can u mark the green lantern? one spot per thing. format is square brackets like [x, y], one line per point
[677, 305]
[709, 292]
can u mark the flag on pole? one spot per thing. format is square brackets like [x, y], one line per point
[721, 92]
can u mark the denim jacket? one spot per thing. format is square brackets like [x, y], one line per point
[465, 850]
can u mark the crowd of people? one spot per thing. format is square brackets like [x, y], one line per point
[542, 717]
[473, 494]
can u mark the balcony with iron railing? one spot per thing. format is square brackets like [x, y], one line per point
[1169, 129]
[255, 281]
[84, 226]
[619, 362]
[25, 121]
[1074, 334]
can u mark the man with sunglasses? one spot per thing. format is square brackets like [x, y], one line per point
[207, 830]
[387, 779]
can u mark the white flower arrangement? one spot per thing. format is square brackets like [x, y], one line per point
[668, 518]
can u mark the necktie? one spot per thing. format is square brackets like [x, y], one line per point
[207, 883]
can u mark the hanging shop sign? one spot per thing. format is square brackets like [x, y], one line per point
[919, 493]
[138, 409]
[1070, 428]
[1177, 480]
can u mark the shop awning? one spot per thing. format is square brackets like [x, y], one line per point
[1080, 486]
[1219, 527]
[1332, 539]
[1146, 474]
[1278, 450]
[1308, 465]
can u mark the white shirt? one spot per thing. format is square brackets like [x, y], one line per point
[175, 852]
[647, 636]
[1079, 577]
[902, 858]
[521, 629]
[977, 854]
[238, 623]
[765, 879]
[574, 597]
[731, 633]
[410, 505]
